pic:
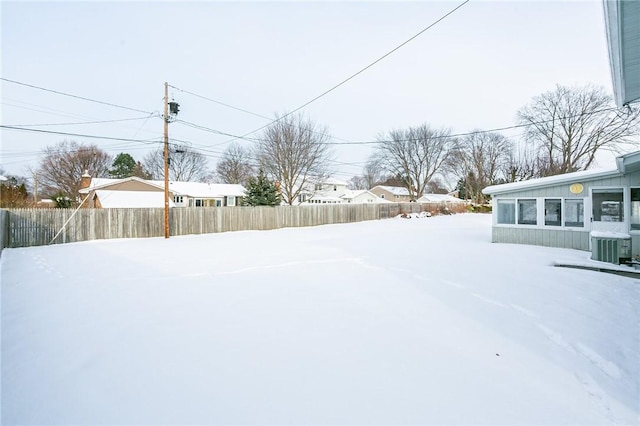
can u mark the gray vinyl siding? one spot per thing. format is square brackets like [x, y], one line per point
[562, 238]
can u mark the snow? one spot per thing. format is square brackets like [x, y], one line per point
[388, 322]
[439, 198]
[551, 180]
[131, 199]
[204, 190]
[395, 190]
[610, 234]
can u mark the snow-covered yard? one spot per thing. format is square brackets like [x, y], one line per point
[419, 321]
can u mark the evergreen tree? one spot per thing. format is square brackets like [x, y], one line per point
[261, 191]
[123, 166]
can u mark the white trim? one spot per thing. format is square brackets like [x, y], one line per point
[540, 214]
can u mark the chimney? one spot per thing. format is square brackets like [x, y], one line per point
[85, 180]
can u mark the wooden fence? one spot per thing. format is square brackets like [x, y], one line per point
[37, 227]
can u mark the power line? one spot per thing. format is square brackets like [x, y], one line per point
[497, 129]
[238, 109]
[208, 129]
[74, 134]
[74, 96]
[326, 92]
[221, 103]
[82, 122]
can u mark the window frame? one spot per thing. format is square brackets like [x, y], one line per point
[541, 222]
[520, 210]
[566, 210]
[560, 211]
[506, 201]
[631, 217]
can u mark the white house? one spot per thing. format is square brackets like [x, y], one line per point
[440, 198]
[134, 192]
[334, 191]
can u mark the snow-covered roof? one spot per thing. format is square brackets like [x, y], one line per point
[352, 193]
[332, 181]
[395, 190]
[205, 190]
[551, 180]
[439, 198]
[191, 189]
[96, 182]
[131, 199]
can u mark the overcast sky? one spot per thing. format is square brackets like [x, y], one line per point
[473, 70]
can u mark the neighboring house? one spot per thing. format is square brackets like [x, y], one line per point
[327, 191]
[134, 192]
[440, 198]
[361, 197]
[334, 191]
[562, 210]
[394, 194]
[197, 194]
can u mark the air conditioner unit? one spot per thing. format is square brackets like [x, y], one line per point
[609, 249]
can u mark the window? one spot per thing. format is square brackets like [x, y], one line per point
[177, 199]
[553, 212]
[382, 196]
[199, 202]
[607, 205]
[335, 187]
[231, 201]
[574, 212]
[527, 212]
[635, 208]
[506, 211]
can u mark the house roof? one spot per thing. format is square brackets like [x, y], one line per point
[332, 181]
[622, 22]
[395, 190]
[626, 163]
[439, 198]
[629, 162]
[100, 183]
[350, 194]
[551, 181]
[204, 190]
[191, 189]
[131, 199]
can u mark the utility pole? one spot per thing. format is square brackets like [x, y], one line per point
[166, 160]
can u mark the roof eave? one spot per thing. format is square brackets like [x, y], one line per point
[542, 182]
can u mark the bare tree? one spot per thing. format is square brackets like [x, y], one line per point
[372, 174]
[235, 165]
[185, 164]
[416, 154]
[294, 151]
[522, 164]
[436, 186]
[358, 182]
[63, 165]
[570, 125]
[477, 161]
